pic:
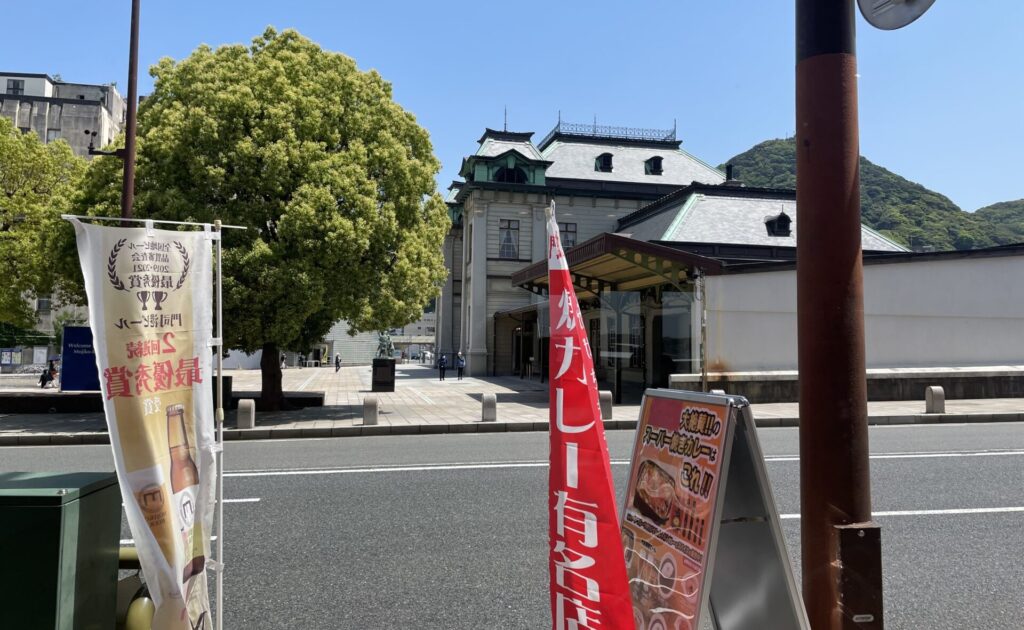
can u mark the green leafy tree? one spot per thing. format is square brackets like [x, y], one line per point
[36, 184]
[1004, 221]
[60, 320]
[334, 180]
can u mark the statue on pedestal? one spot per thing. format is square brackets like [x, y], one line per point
[385, 349]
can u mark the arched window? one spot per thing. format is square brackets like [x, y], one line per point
[778, 225]
[653, 165]
[603, 163]
[514, 175]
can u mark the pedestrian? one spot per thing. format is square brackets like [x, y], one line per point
[442, 365]
[337, 363]
[48, 375]
[460, 364]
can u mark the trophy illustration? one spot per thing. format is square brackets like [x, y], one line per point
[143, 297]
[158, 297]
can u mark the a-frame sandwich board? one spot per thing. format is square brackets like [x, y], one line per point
[701, 532]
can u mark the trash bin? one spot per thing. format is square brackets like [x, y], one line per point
[59, 538]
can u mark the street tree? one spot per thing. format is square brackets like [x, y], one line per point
[332, 178]
[36, 184]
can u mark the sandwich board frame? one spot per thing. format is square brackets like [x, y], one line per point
[737, 574]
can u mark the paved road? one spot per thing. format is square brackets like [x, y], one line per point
[448, 531]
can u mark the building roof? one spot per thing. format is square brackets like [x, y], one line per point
[727, 214]
[28, 75]
[494, 143]
[574, 159]
[620, 264]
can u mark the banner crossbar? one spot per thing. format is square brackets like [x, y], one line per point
[122, 219]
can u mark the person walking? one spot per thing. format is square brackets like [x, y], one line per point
[460, 364]
[337, 363]
[442, 365]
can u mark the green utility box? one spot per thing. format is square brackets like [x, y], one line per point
[59, 538]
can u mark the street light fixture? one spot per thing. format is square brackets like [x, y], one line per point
[94, 151]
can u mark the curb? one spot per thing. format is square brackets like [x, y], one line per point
[359, 430]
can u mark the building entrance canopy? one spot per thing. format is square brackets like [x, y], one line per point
[611, 262]
[637, 301]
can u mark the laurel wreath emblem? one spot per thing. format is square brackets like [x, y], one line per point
[185, 263]
[112, 266]
[118, 284]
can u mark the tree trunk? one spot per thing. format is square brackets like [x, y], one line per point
[272, 396]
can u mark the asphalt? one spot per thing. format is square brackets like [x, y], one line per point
[411, 532]
[422, 404]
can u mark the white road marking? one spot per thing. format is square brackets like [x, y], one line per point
[544, 463]
[131, 541]
[919, 455]
[997, 510]
[247, 500]
[382, 469]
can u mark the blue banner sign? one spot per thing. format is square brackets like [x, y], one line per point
[78, 361]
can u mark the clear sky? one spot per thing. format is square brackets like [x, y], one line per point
[941, 101]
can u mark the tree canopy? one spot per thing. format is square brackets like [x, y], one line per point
[36, 184]
[334, 180]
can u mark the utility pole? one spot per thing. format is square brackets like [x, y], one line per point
[128, 181]
[841, 546]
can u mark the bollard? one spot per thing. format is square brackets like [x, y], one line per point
[934, 399]
[245, 415]
[718, 392]
[605, 398]
[490, 408]
[370, 409]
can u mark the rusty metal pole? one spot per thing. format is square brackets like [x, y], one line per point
[128, 181]
[841, 547]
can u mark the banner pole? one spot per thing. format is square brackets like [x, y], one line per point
[220, 438]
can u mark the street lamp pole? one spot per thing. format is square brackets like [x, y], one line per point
[128, 181]
[841, 546]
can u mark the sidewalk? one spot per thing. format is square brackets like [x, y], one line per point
[422, 404]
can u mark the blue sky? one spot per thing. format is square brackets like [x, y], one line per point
[941, 101]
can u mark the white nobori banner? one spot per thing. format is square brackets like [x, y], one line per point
[150, 304]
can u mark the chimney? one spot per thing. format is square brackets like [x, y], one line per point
[729, 180]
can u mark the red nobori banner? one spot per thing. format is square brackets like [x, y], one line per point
[670, 509]
[588, 575]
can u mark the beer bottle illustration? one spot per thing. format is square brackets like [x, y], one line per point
[184, 486]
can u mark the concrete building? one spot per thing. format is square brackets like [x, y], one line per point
[54, 109]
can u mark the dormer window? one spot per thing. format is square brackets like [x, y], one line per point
[778, 225]
[514, 175]
[603, 163]
[653, 166]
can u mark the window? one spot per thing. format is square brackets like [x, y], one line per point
[568, 233]
[778, 225]
[43, 305]
[653, 166]
[508, 239]
[16, 87]
[603, 163]
[513, 175]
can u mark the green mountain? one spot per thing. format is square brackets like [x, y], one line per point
[902, 210]
[1005, 221]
